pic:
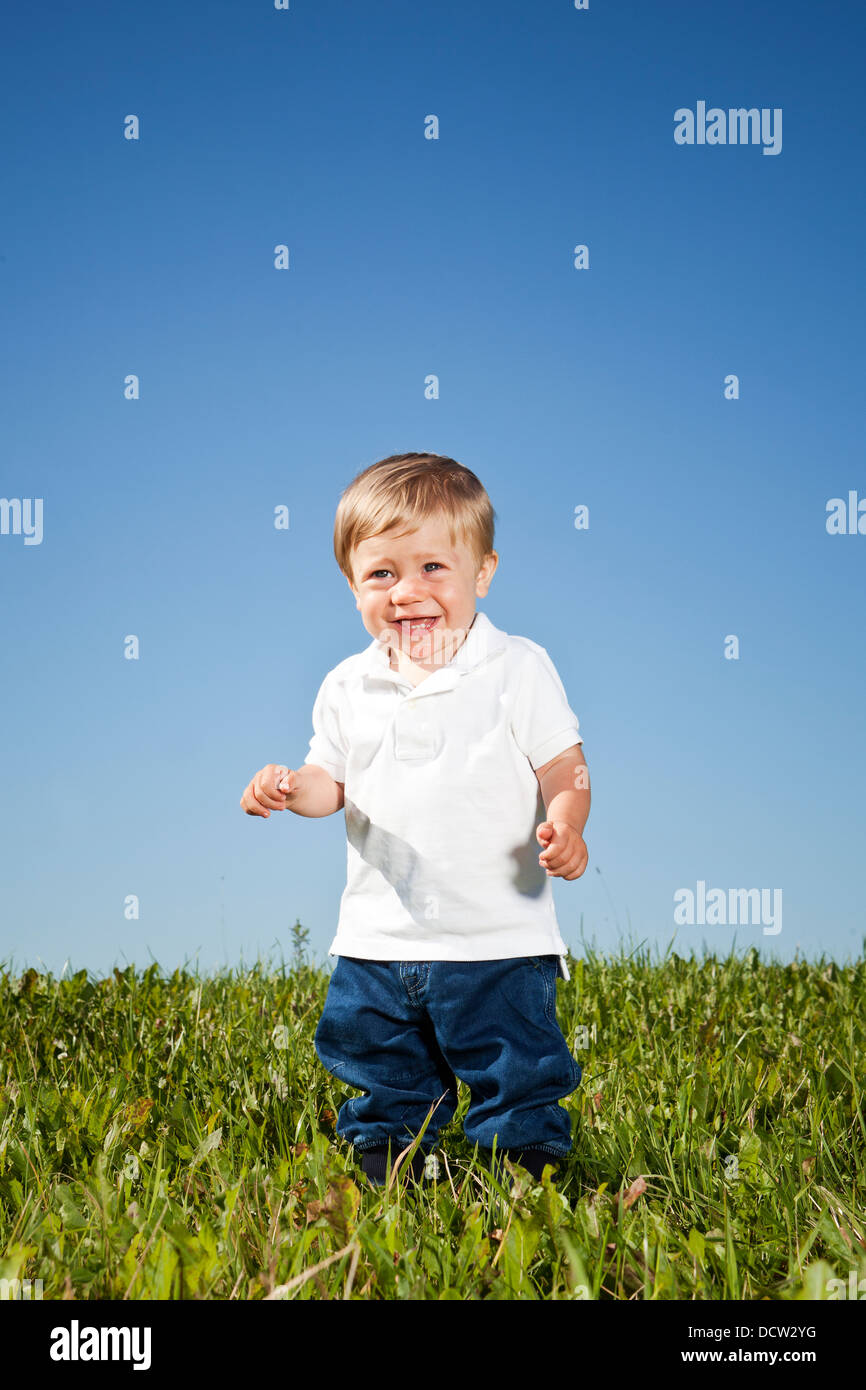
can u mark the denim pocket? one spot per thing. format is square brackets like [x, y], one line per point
[546, 967]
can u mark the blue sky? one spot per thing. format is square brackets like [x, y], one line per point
[558, 387]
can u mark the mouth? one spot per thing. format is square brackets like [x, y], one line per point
[416, 625]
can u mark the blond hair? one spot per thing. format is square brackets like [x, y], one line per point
[406, 490]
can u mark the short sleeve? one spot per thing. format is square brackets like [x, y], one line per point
[327, 746]
[542, 721]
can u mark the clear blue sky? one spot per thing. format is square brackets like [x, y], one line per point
[558, 387]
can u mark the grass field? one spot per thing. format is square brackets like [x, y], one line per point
[169, 1137]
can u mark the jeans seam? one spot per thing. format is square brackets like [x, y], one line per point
[548, 1011]
[538, 963]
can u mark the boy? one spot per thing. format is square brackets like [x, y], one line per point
[443, 741]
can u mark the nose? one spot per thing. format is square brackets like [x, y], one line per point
[407, 590]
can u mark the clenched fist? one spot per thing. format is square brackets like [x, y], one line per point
[565, 854]
[268, 790]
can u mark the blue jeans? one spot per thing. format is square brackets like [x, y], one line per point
[403, 1032]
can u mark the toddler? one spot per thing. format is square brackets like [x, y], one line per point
[453, 751]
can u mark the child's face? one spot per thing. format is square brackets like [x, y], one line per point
[415, 575]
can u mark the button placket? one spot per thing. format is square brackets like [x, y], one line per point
[415, 732]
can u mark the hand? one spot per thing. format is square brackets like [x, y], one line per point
[269, 789]
[565, 855]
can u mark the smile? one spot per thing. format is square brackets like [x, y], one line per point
[416, 624]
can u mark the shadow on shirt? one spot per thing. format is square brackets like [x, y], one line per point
[417, 879]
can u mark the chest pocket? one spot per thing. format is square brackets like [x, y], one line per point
[416, 730]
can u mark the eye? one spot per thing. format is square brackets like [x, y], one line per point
[375, 573]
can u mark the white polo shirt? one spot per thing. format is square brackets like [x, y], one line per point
[441, 800]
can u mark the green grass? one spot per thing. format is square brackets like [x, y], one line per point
[173, 1137]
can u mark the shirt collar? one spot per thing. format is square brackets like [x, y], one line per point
[481, 641]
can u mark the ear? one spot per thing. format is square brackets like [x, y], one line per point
[486, 573]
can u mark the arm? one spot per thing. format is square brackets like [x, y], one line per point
[308, 791]
[564, 783]
[315, 792]
[564, 790]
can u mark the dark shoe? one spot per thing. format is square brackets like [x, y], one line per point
[533, 1160]
[377, 1168]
